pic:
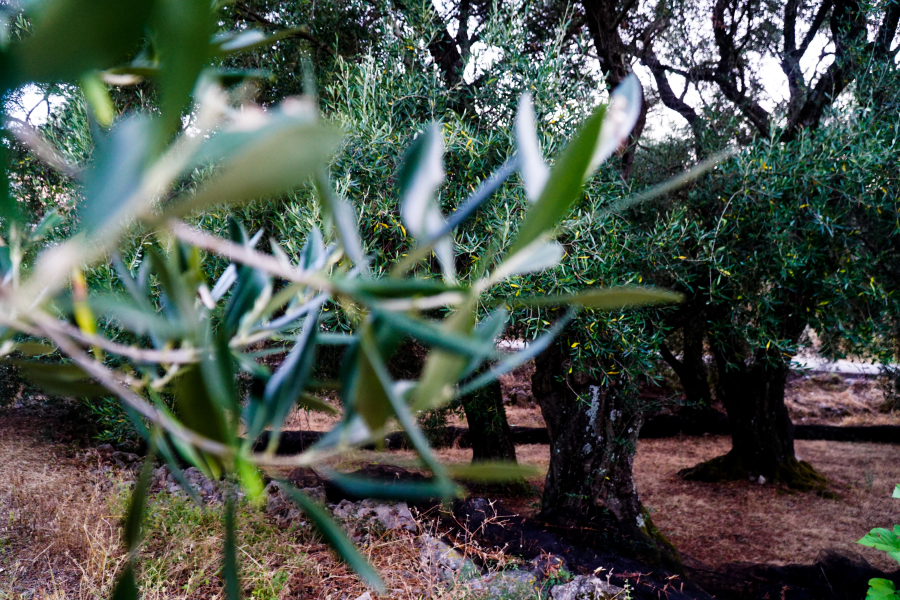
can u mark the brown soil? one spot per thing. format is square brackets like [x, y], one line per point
[743, 521]
[715, 524]
[61, 539]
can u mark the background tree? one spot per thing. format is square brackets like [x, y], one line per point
[723, 97]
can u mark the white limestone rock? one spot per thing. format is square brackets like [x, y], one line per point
[586, 588]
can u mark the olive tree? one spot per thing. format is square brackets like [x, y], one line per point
[170, 343]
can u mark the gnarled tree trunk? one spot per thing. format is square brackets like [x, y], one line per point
[489, 430]
[762, 434]
[691, 368]
[589, 492]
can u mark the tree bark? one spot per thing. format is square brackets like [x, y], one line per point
[489, 430]
[590, 491]
[615, 61]
[691, 369]
[762, 434]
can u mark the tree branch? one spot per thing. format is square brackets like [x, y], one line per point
[252, 15]
[32, 139]
[815, 26]
[668, 97]
[729, 63]
[848, 27]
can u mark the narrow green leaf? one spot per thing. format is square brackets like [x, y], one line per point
[230, 562]
[226, 44]
[133, 521]
[231, 77]
[51, 220]
[491, 471]
[5, 262]
[10, 211]
[534, 170]
[197, 409]
[401, 410]
[368, 397]
[333, 534]
[35, 348]
[267, 155]
[443, 369]
[517, 359]
[230, 274]
[420, 175]
[60, 379]
[217, 369]
[312, 255]
[72, 37]
[479, 196]
[130, 74]
[310, 402]
[126, 585]
[489, 330]
[114, 176]
[97, 95]
[187, 452]
[540, 255]
[437, 337]
[290, 380]
[178, 299]
[622, 113]
[342, 214]
[248, 289]
[141, 321]
[251, 479]
[394, 288]
[182, 32]
[563, 187]
[669, 185]
[175, 469]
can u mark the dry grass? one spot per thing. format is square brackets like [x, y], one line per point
[57, 538]
[181, 557]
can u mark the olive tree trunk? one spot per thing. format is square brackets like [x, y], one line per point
[590, 491]
[762, 434]
[489, 431]
[691, 368]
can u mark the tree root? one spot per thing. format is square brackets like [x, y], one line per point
[796, 474]
[665, 552]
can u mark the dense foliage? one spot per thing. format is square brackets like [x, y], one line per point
[169, 341]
